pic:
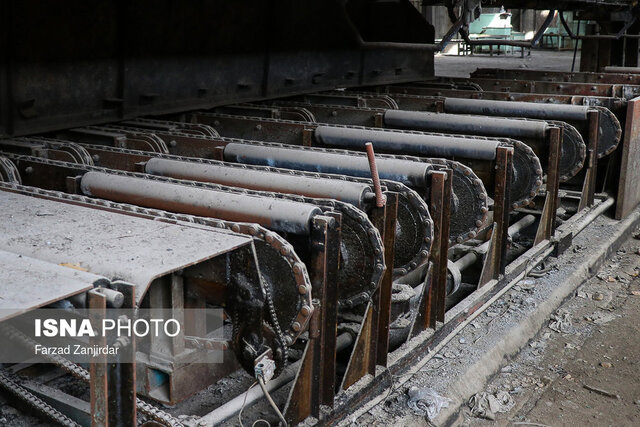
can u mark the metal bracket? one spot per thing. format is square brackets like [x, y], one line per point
[432, 302]
[495, 261]
[547, 220]
[587, 197]
[372, 344]
[314, 384]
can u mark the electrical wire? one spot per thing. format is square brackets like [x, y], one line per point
[273, 404]
[244, 403]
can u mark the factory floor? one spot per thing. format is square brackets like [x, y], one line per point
[461, 66]
[586, 372]
[581, 368]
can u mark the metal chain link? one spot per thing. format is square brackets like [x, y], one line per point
[81, 373]
[12, 386]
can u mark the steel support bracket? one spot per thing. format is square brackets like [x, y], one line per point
[495, 260]
[547, 220]
[431, 307]
[314, 384]
[372, 343]
[587, 197]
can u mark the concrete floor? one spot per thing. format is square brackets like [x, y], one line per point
[461, 66]
[588, 374]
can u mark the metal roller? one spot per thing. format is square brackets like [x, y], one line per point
[411, 174]
[417, 144]
[465, 124]
[531, 132]
[468, 191]
[610, 131]
[527, 173]
[414, 230]
[345, 191]
[280, 215]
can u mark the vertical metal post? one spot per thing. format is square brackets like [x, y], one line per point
[314, 384]
[330, 234]
[547, 220]
[495, 260]
[587, 197]
[386, 288]
[432, 306]
[98, 384]
[440, 277]
[363, 357]
[122, 375]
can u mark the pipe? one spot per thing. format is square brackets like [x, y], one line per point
[610, 129]
[455, 268]
[533, 133]
[380, 199]
[349, 192]
[470, 258]
[412, 143]
[232, 407]
[413, 174]
[470, 125]
[279, 215]
[516, 109]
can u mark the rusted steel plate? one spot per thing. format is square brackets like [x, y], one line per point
[138, 250]
[27, 283]
[558, 76]
[628, 188]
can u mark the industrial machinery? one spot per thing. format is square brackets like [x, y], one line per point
[296, 166]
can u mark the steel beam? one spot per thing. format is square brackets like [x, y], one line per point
[314, 384]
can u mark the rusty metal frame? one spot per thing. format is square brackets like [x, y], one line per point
[587, 197]
[547, 220]
[544, 87]
[431, 307]
[372, 344]
[495, 260]
[388, 228]
[314, 384]
[112, 385]
[98, 375]
[122, 375]
[558, 76]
